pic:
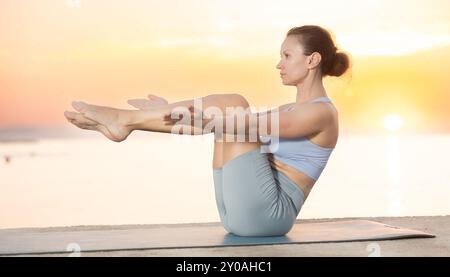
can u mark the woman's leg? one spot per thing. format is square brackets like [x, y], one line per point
[218, 155]
[250, 199]
[117, 124]
[225, 151]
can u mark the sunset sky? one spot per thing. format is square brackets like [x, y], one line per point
[107, 51]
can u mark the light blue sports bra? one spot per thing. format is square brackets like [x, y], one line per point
[303, 154]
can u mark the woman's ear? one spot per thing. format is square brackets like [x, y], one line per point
[314, 60]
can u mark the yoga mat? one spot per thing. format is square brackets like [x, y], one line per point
[110, 238]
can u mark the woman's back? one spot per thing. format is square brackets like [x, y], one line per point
[303, 159]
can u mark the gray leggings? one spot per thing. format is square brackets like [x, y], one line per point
[255, 199]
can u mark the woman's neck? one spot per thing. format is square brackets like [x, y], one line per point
[311, 88]
[308, 95]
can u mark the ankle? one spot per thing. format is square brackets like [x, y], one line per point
[135, 120]
[128, 119]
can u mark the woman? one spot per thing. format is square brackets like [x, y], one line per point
[257, 194]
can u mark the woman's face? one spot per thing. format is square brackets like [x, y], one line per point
[293, 64]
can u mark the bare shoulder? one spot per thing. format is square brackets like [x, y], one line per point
[326, 112]
[323, 109]
[328, 135]
[282, 107]
[285, 106]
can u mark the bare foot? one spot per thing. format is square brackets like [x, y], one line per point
[109, 121]
[153, 101]
[82, 122]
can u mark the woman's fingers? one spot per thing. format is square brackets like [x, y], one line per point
[158, 99]
[170, 118]
[153, 101]
[138, 103]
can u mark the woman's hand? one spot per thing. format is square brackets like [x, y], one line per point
[182, 115]
[153, 101]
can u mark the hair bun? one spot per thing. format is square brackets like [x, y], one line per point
[339, 65]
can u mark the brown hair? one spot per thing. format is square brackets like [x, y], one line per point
[317, 39]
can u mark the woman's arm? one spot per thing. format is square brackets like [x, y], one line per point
[248, 125]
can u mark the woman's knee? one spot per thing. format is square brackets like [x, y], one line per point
[229, 100]
[240, 100]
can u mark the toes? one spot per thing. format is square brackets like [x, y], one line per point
[83, 126]
[86, 121]
[70, 115]
[79, 118]
[79, 106]
[90, 115]
[89, 111]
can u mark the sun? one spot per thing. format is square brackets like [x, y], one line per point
[392, 122]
